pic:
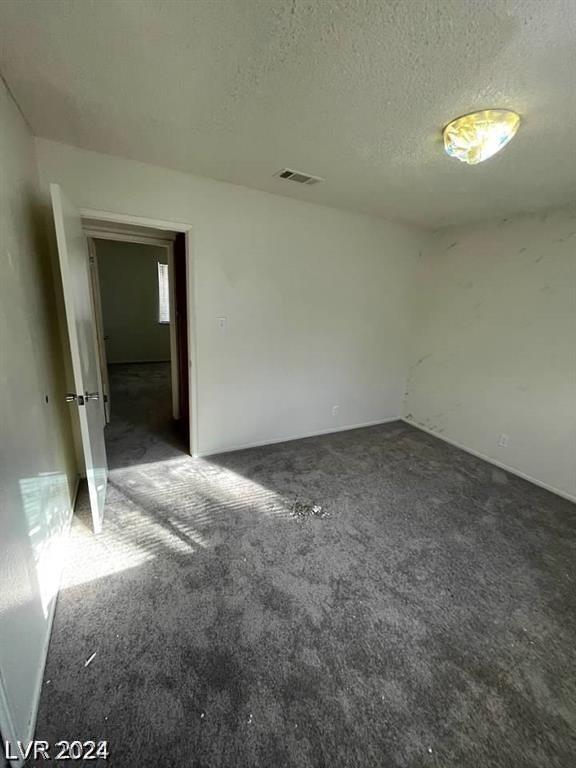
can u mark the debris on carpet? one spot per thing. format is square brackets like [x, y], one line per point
[304, 509]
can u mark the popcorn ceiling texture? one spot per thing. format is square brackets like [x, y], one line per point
[356, 91]
[427, 620]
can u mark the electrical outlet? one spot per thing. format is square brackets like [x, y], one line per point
[221, 322]
[503, 440]
[335, 410]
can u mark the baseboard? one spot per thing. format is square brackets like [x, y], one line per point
[495, 462]
[276, 441]
[51, 612]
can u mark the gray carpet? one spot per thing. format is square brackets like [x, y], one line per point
[429, 619]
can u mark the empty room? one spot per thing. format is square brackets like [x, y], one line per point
[288, 383]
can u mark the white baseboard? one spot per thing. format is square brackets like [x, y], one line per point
[495, 462]
[276, 441]
[51, 612]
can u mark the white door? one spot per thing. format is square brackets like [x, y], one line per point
[74, 266]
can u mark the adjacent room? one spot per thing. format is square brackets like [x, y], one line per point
[134, 298]
[288, 383]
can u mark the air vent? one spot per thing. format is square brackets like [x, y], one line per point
[298, 176]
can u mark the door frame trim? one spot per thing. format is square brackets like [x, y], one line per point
[186, 229]
[97, 305]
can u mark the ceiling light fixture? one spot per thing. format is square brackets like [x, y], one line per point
[476, 137]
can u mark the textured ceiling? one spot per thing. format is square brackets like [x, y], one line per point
[356, 91]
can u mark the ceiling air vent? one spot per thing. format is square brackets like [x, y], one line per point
[298, 176]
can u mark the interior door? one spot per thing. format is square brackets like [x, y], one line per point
[88, 399]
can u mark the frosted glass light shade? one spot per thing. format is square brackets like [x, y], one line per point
[476, 137]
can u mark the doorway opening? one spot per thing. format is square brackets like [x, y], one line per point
[138, 279]
[76, 230]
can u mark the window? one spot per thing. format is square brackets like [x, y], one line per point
[163, 294]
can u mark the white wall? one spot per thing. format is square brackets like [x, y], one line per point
[495, 345]
[37, 468]
[317, 300]
[128, 275]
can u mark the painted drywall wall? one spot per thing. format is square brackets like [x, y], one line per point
[316, 300]
[128, 275]
[37, 467]
[494, 349]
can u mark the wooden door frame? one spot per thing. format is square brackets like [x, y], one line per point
[170, 226]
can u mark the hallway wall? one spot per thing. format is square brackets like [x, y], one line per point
[129, 291]
[37, 465]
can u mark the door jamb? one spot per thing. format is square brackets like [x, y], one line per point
[186, 229]
[97, 304]
[174, 350]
